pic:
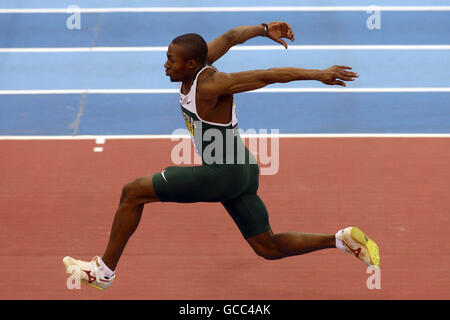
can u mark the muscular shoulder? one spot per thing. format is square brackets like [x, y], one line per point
[207, 74]
[211, 82]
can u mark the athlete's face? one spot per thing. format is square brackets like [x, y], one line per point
[177, 68]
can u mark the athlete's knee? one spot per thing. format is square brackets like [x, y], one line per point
[269, 253]
[266, 248]
[138, 191]
[130, 191]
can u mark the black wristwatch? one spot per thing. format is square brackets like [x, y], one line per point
[266, 28]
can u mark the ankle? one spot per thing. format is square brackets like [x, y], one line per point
[339, 243]
[105, 269]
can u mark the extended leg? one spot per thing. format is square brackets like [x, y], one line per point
[134, 195]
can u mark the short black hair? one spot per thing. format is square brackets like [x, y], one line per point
[196, 47]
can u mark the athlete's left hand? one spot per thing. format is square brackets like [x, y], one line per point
[335, 74]
[278, 30]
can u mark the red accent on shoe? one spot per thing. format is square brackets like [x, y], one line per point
[91, 278]
[356, 251]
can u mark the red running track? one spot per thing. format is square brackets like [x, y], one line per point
[58, 198]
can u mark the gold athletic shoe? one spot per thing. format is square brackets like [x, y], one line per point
[88, 272]
[361, 246]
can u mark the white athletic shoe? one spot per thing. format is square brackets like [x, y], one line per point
[358, 244]
[89, 273]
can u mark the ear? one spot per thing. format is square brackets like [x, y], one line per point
[191, 64]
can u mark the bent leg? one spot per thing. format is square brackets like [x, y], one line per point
[134, 195]
[295, 243]
[250, 214]
[276, 246]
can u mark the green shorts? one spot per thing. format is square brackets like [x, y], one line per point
[234, 185]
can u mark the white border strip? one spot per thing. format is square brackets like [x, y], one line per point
[285, 135]
[89, 91]
[344, 47]
[352, 90]
[83, 49]
[227, 9]
[237, 48]
[263, 90]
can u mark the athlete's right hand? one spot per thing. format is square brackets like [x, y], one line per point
[278, 30]
[335, 75]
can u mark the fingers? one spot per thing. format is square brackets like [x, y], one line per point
[335, 82]
[344, 67]
[282, 42]
[345, 78]
[289, 33]
[340, 83]
[285, 30]
[276, 38]
[345, 75]
[348, 74]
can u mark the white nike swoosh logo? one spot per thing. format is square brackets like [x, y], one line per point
[164, 177]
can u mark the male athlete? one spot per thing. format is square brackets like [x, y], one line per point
[226, 176]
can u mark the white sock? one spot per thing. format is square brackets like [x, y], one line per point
[106, 271]
[339, 244]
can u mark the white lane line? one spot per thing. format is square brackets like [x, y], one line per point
[99, 140]
[227, 9]
[236, 48]
[263, 90]
[89, 91]
[345, 47]
[83, 49]
[279, 135]
[347, 90]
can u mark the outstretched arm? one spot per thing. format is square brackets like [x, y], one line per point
[275, 31]
[221, 83]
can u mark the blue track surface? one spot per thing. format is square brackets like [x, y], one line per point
[69, 114]
[159, 114]
[206, 3]
[138, 70]
[158, 29]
